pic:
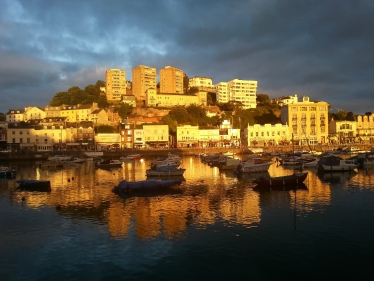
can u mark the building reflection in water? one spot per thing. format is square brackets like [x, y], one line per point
[207, 196]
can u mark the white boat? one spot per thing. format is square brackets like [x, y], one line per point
[109, 164]
[229, 164]
[76, 159]
[59, 157]
[253, 165]
[332, 163]
[165, 166]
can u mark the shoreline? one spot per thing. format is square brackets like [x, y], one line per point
[179, 151]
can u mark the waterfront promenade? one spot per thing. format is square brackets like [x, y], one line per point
[30, 155]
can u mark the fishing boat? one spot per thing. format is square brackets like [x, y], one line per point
[165, 166]
[7, 172]
[51, 164]
[294, 179]
[145, 185]
[34, 185]
[76, 159]
[109, 164]
[253, 165]
[332, 163]
[229, 164]
[172, 172]
[134, 156]
[59, 158]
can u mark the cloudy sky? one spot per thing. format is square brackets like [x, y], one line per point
[322, 49]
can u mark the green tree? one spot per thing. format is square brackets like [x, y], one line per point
[124, 110]
[2, 116]
[350, 116]
[262, 99]
[179, 114]
[167, 120]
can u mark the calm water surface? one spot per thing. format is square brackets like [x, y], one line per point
[217, 227]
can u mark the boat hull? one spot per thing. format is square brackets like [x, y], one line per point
[176, 172]
[145, 186]
[282, 181]
[34, 185]
[10, 174]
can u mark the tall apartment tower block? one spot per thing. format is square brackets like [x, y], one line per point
[244, 91]
[115, 84]
[143, 78]
[171, 80]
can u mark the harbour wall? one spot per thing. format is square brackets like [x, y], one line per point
[153, 153]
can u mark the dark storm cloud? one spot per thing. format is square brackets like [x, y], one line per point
[323, 49]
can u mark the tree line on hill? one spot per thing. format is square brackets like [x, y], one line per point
[265, 112]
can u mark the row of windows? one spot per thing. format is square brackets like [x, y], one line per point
[262, 134]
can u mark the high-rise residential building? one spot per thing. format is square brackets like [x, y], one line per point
[307, 121]
[222, 92]
[200, 82]
[243, 91]
[143, 78]
[115, 84]
[171, 80]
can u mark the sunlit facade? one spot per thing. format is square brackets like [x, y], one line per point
[200, 82]
[222, 92]
[267, 134]
[115, 84]
[307, 121]
[156, 135]
[143, 78]
[365, 128]
[187, 136]
[342, 132]
[171, 80]
[168, 100]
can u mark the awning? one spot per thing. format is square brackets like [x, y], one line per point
[26, 145]
[72, 144]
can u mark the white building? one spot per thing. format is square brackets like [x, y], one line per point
[267, 134]
[244, 91]
[200, 82]
[222, 92]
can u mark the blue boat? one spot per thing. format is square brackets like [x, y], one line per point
[145, 186]
[34, 185]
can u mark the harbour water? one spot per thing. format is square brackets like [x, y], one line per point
[217, 226]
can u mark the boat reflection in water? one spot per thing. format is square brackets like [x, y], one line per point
[337, 177]
[214, 220]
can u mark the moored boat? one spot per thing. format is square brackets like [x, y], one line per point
[7, 172]
[59, 158]
[34, 185]
[52, 164]
[109, 164]
[144, 186]
[172, 172]
[294, 179]
[253, 165]
[332, 163]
